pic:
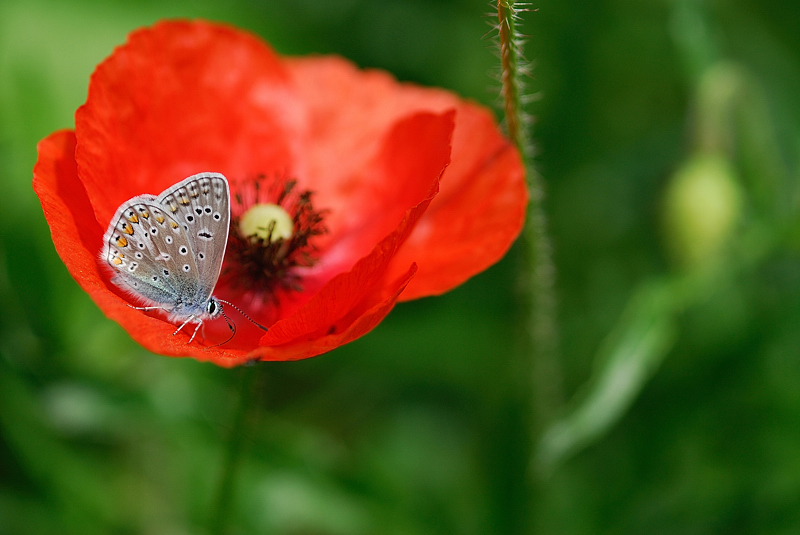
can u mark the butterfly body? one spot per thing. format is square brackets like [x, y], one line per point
[167, 251]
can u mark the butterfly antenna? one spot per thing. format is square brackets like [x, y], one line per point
[254, 322]
[231, 326]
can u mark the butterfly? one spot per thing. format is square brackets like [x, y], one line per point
[167, 251]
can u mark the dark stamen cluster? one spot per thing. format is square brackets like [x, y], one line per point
[253, 263]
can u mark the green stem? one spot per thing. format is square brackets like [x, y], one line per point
[545, 369]
[510, 59]
[539, 270]
[233, 453]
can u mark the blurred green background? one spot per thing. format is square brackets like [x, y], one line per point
[668, 135]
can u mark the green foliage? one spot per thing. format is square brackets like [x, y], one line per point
[683, 409]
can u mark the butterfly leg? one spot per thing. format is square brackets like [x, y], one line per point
[149, 308]
[190, 318]
[199, 324]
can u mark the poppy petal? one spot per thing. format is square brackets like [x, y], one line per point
[348, 112]
[413, 153]
[477, 215]
[481, 207]
[177, 99]
[350, 290]
[342, 332]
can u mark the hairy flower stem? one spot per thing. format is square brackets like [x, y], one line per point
[539, 270]
[510, 76]
[224, 499]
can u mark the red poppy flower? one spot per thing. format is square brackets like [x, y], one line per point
[353, 156]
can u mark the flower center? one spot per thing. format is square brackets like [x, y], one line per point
[273, 224]
[268, 222]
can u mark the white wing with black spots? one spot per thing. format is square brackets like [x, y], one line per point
[201, 206]
[151, 254]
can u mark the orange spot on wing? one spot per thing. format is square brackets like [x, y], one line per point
[122, 242]
[133, 219]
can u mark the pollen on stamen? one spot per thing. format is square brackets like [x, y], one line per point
[269, 222]
[273, 225]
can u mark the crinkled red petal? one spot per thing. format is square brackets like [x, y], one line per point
[481, 207]
[414, 151]
[178, 99]
[357, 323]
[477, 215]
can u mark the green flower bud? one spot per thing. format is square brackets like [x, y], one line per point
[702, 205]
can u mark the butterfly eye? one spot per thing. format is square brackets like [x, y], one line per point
[211, 307]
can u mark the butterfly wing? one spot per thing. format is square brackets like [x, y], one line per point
[150, 253]
[200, 204]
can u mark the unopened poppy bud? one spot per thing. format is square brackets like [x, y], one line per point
[702, 205]
[259, 219]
